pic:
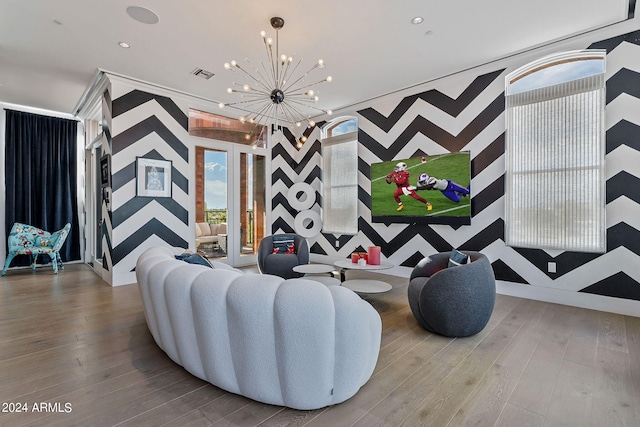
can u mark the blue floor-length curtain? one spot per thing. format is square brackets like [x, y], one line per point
[40, 177]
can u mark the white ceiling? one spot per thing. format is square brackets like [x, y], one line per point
[370, 48]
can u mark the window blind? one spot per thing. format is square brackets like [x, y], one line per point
[555, 177]
[340, 184]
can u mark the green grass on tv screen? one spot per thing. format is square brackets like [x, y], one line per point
[452, 166]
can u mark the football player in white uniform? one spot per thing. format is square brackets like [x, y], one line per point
[450, 189]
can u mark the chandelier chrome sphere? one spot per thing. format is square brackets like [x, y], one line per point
[277, 91]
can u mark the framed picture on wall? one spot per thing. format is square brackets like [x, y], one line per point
[153, 177]
[105, 171]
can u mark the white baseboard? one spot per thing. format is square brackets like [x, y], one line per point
[127, 278]
[574, 299]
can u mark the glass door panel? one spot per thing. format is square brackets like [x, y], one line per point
[252, 203]
[211, 202]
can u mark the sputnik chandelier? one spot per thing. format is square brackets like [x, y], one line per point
[277, 91]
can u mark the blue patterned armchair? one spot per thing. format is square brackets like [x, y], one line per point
[29, 240]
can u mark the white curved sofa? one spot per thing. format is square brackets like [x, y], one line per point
[295, 343]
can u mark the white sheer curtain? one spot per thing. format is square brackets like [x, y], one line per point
[340, 184]
[555, 177]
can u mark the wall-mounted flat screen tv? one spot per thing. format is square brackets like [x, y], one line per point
[423, 190]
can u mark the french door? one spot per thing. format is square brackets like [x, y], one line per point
[96, 193]
[230, 196]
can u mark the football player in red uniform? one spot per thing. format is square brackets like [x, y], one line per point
[400, 176]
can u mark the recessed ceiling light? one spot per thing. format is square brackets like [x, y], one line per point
[142, 14]
[417, 20]
[124, 45]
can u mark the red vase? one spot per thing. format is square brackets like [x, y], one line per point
[374, 255]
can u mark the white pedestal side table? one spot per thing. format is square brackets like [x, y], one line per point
[365, 286]
[316, 271]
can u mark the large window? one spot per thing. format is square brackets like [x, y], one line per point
[555, 180]
[340, 176]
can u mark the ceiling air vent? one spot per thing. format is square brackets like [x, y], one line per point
[202, 73]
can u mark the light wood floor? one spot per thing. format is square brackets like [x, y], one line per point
[75, 344]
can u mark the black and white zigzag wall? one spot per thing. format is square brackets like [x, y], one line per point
[107, 229]
[456, 115]
[153, 127]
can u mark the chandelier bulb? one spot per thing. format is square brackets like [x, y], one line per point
[283, 101]
[303, 138]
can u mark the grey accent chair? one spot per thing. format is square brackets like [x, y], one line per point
[282, 264]
[455, 301]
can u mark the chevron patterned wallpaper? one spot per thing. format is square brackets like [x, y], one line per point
[154, 127]
[107, 229]
[461, 115]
